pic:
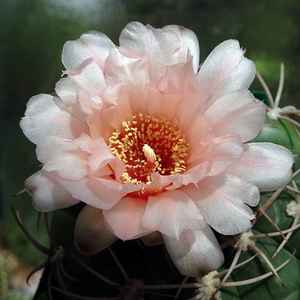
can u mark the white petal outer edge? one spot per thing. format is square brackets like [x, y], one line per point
[44, 116]
[267, 165]
[226, 69]
[222, 202]
[189, 40]
[92, 44]
[91, 234]
[47, 193]
[161, 45]
[195, 253]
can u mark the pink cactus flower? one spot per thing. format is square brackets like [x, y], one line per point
[152, 144]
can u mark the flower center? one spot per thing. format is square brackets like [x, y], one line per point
[147, 145]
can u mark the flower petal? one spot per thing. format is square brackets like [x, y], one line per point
[124, 218]
[47, 193]
[88, 78]
[266, 165]
[91, 44]
[165, 46]
[189, 44]
[195, 253]
[63, 156]
[226, 69]
[179, 95]
[181, 211]
[133, 72]
[101, 157]
[91, 233]
[45, 115]
[221, 153]
[237, 112]
[220, 199]
[92, 192]
[159, 101]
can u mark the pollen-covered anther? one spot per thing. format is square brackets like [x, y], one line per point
[149, 145]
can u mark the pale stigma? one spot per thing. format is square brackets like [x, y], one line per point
[149, 153]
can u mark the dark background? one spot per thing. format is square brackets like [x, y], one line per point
[32, 33]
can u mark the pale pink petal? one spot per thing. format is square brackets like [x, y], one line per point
[124, 218]
[117, 186]
[84, 143]
[63, 156]
[190, 110]
[100, 161]
[88, 78]
[222, 202]
[92, 192]
[122, 109]
[171, 212]
[195, 253]
[171, 182]
[221, 153]
[237, 112]
[165, 46]
[189, 44]
[159, 101]
[103, 121]
[46, 115]
[198, 130]
[195, 173]
[226, 69]
[102, 156]
[158, 181]
[177, 78]
[99, 127]
[92, 44]
[266, 165]
[133, 72]
[177, 94]
[91, 234]
[47, 193]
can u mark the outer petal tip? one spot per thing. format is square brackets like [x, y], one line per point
[91, 233]
[226, 69]
[267, 165]
[47, 193]
[190, 40]
[195, 253]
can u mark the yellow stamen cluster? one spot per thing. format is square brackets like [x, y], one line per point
[147, 145]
